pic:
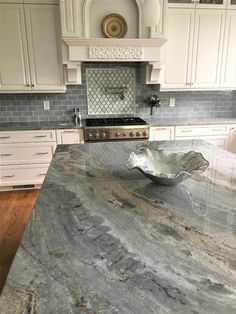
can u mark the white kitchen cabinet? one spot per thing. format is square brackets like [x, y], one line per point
[70, 136]
[214, 134]
[231, 4]
[207, 48]
[14, 62]
[178, 49]
[198, 3]
[231, 144]
[30, 50]
[193, 51]
[228, 73]
[162, 133]
[25, 157]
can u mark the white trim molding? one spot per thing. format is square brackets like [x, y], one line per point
[123, 53]
[153, 70]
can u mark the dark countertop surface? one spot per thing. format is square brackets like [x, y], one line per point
[153, 121]
[104, 239]
[44, 125]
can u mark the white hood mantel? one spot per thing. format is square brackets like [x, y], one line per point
[114, 50]
[84, 42]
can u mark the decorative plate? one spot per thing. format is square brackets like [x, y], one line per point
[167, 168]
[114, 26]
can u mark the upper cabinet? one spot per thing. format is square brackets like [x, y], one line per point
[217, 4]
[192, 55]
[228, 74]
[30, 51]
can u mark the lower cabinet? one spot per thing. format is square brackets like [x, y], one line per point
[26, 155]
[70, 136]
[162, 133]
[214, 134]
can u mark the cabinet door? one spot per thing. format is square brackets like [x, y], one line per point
[178, 51]
[228, 75]
[162, 133]
[72, 136]
[43, 34]
[216, 4]
[207, 48]
[14, 67]
[231, 145]
[231, 4]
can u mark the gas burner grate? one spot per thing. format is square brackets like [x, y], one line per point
[114, 121]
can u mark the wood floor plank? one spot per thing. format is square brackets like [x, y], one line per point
[15, 211]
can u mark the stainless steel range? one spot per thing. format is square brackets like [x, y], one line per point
[110, 129]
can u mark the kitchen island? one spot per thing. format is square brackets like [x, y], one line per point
[104, 239]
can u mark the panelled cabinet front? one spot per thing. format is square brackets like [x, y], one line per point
[14, 63]
[194, 49]
[30, 49]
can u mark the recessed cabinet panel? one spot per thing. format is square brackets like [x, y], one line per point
[178, 48]
[14, 67]
[45, 56]
[209, 27]
[162, 133]
[70, 136]
[228, 75]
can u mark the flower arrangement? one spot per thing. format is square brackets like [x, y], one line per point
[153, 101]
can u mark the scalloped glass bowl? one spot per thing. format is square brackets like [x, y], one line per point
[167, 168]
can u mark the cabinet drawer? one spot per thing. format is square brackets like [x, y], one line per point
[23, 174]
[26, 153]
[161, 133]
[27, 136]
[207, 130]
[70, 136]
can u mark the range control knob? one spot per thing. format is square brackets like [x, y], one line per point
[117, 134]
[131, 134]
[138, 134]
[97, 135]
[144, 133]
[90, 135]
[103, 135]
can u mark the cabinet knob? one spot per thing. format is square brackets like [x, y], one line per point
[28, 85]
[32, 85]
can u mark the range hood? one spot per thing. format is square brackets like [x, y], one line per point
[87, 45]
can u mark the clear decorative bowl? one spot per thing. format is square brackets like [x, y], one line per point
[167, 168]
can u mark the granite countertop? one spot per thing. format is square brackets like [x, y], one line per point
[198, 121]
[104, 239]
[44, 125]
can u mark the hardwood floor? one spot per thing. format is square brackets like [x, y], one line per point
[15, 211]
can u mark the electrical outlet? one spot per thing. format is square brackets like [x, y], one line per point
[172, 102]
[46, 105]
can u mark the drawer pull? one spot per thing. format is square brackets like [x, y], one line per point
[42, 153]
[69, 131]
[217, 130]
[4, 137]
[40, 136]
[6, 155]
[185, 131]
[10, 176]
[42, 174]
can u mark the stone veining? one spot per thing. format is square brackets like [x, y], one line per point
[102, 239]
